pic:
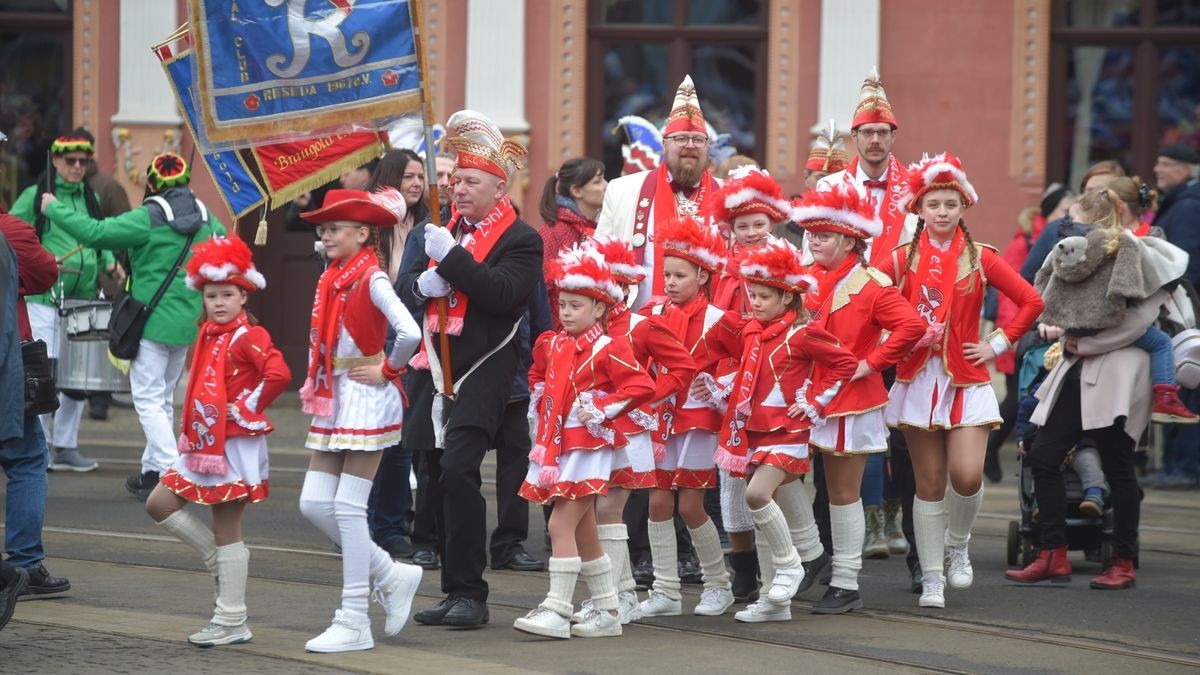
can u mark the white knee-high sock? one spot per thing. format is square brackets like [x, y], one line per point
[192, 531]
[848, 528]
[564, 572]
[712, 558]
[316, 502]
[358, 551]
[233, 561]
[960, 516]
[929, 527]
[614, 539]
[598, 575]
[773, 527]
[766, 563]
[665, 553]
[796, 505]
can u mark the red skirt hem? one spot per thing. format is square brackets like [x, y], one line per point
[572, 491]
[215, 494]
[693, 479]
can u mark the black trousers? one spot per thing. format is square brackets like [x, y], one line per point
[427, 510]
[900, 484]
[1008, 416]
[513, 444]
[454, 487]
[1062, 432]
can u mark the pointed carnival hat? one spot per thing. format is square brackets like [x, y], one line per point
[382, 208]
[621, 260]
[873, 104]
[695, 241]
[828, 151]
[480, 145]
[583, 270]
[685, 113]
[223, 260]
[841, 209]
[78, 140]
[750, 189]
[940, 172]
[776, 264]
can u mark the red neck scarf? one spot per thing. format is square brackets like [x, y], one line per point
[891, 211]
[820, 296]
[933, 286]
[729, 292]
[666, 209]
[732, 442]
[679, 317]
[203, 439]
[316, 396]
[560, 385]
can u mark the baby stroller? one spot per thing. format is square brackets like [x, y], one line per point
[1087, 533]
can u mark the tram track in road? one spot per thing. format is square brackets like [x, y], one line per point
[957, 625]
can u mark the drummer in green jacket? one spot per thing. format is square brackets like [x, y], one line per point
[69, 159]
[153, 234]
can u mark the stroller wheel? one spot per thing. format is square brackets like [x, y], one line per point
[1014, 542]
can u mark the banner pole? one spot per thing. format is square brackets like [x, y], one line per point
[435, 210]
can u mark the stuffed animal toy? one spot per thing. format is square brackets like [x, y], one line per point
[1089, 280]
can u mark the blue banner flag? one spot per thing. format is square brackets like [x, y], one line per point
[276, 68]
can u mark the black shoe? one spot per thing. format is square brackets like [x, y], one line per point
[521, 562]
[10, 593]
[690, 572]
[398, 548]
[643, 575]
[98, 413]
[817, 570]
[41, 583]
[745, 575]
[914, 571]
[433, 616]
[991, 467]
[140, 485]
[425, 559]
[466, 613]
[837, 601]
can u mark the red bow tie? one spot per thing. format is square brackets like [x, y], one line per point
[881, 184]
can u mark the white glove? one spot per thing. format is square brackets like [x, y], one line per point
[432, 285]
[438, 242]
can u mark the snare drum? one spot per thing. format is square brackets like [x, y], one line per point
[83, 363]
[86, 319]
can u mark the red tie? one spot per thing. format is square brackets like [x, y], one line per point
[881, 184]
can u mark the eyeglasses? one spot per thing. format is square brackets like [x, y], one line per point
[821, 237]
[685, 141]
[75, 161]
[323, 230]
[874, 133]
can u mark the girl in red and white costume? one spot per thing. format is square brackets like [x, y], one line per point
[752, 205]
[942, 398]
[855, 303]
[222, 461]
[352, 389]
[582, 380]
[693, 254]
[773, 403]
[672, 367]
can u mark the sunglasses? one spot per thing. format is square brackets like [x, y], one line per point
[76, 161]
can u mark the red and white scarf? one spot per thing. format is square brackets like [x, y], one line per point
[316, 396]
[932, 288]
[202, 442]
[732, 453]
[891, 210]
[557, 397]
[820, 296]
[666, 209]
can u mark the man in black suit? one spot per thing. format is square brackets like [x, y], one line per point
[486, 262]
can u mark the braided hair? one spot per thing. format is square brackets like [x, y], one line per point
[972, 251]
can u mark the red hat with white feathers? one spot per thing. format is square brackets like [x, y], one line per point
[620, 258]
[694, 241]
[750, 189]
[842, 209]
[223, 260]
[584, 271]
[776, 264]
[940, 172]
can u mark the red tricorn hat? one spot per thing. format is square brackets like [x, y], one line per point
[383, 208]
[940, 172]
[776, 264]
[584, 271]
[223, 260]
[840, 209]
[618, 253]
[698, 243]
[750, 189]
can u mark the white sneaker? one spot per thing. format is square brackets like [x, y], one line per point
[933, 590]
[349, 632]
[585, 608]
[541, 621]
[628, 608]
[658, 604]
[785, 584]
[395, 591]
[597, 624]
[714, 602]
[761, 611]
[217, 634]
[959, 573]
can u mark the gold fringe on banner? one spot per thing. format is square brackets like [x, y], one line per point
[320, 177]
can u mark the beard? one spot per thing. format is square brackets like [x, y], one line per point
[687, 174]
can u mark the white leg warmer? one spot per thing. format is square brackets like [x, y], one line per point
[960, 516]
[848, 526]
[358, 551]
[929, 526]
[773, 527]
[233, 563]
[712, 558]
[598, 575]
[564, 572]
[614, 539]
[665, 553]
[796, 504]
[316, 502]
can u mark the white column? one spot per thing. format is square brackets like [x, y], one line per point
[849, 50]
[496, 62]
[144, 95]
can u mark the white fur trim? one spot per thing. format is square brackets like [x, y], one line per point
[632, 271]
[872, 227]
[253, 276]
[747, 195]
[931, 170]
[710, 259]
[582, 282]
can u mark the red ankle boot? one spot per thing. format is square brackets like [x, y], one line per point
[1050, 565]
[1168, 409]
[1120, 574]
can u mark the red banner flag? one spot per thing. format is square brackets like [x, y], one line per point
[293, 168]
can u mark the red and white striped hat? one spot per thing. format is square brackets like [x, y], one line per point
[750, 189]
[223, 260]
[840, 209]
[776, 264]
[940, 172]
[584, 271]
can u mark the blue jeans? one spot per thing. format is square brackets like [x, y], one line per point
[872, 481]
[1181, 442]
[390, 503]
[1162, 359]
[24, 463]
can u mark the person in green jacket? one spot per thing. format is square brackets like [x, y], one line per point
[154, 234]
[70, 156]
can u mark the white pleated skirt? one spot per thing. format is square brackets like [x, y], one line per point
[863, 433]
[365, 417]
[930, 402]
